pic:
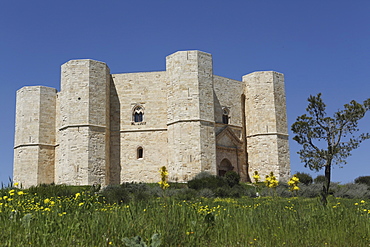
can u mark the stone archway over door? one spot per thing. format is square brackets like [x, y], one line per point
[224, 167]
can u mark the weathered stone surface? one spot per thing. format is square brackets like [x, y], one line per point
[107, 128]
[266, 124]
[35, 135]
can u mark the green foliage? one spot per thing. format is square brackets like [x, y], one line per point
[182, 194]
[115, 194]
[138, 191]
[207, 193]
[320, 179]
[363, 180]
[223, 191]
[53, 190]
[210, 186]
[310, 191]
[304, 178]
[352, 191]
[328, 140]
[139, 242]
[81, 220]
[210, 182]
[203, 174]
[232, 178]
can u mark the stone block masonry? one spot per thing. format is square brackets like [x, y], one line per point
[104, 128]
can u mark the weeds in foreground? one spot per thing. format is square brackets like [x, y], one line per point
[83, 219]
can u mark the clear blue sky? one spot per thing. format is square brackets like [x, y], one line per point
[320, 46]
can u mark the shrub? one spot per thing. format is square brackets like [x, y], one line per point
[207, 193]
[210, 182]
[52, 190]
[232, 178]
[249, 190]
[237, 191]
[203, 174]
[320, 179]
[363, 180]
[115, 194]
[138, 191]
[304, 178]
[223, 191]
[182, 194]
[310, 191]
[352, 191]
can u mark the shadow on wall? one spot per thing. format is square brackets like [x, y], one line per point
[115, 137]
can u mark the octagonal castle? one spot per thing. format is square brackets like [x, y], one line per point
[104, 128]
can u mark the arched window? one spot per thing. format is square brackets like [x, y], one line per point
[138, 114]
[225, 115]
[140, 153]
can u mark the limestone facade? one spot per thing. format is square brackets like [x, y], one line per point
[104, 128]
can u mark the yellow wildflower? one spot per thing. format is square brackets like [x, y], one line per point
[164, 175]
[270, 181]
[293, 183]
[256, 177]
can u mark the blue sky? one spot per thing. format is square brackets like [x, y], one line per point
[320, 46]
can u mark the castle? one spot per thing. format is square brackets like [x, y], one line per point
[104, 128]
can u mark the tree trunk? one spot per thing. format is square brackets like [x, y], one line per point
[327, 176]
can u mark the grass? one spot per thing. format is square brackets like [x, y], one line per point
[28, 219]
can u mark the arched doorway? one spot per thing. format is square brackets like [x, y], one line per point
[224, 167]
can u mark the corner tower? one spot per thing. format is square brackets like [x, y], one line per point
[190, 114]
[266, 124]
[83, 125]
[34, 146]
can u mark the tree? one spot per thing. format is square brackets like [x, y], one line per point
[304, 178]
[363, 180]
[328, 140]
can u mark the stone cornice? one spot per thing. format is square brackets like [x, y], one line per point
[82, 125]
[139, 130]
[190, 120]
[34, 145]
[229, 148]
[268, 134]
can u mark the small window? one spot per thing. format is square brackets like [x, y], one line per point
[140, 152]
[225, 115]
[138, 114]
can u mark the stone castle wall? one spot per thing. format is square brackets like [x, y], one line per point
[148, 90]
[266, 124]
[190, 114]
[84, 131]
[35, 135]
[87, 134]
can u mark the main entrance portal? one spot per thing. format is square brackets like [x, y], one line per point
[224, 167]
